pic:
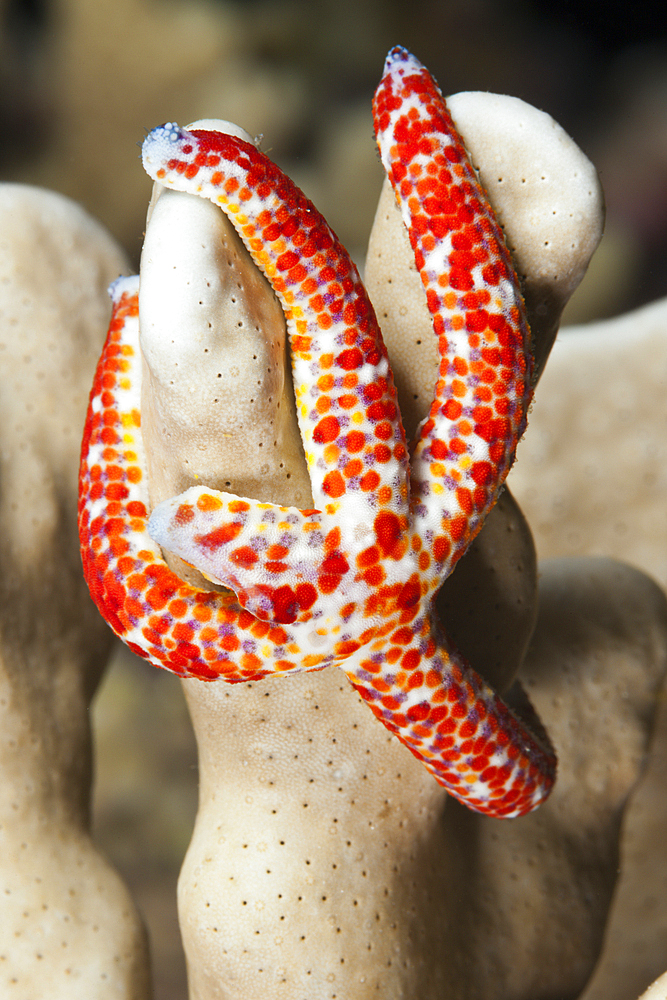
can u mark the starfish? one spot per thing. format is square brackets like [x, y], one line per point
[352, 581]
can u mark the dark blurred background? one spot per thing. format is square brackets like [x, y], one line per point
[82, 81]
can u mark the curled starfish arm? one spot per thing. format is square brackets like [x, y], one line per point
[414, 680]
[420, 687]
[466, 444]
[189, 631]
[346, 400]
[250, 546]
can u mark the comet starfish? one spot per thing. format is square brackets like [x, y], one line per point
[353, 581]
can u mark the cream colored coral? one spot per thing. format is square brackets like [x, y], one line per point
[322, 864]
[225, 339]
[657, 990]
[217, 401]
[68, 928]
[591, 476]
[592, 473]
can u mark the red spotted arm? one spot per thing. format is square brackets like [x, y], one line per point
[192, 632]
[466, 445]
[353, 582]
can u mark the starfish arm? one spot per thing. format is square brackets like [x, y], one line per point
[275, 558]
[422, 689]
[346, 400]
[189, 631]
[466, 444]
[285, 565]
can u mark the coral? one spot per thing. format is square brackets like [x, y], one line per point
[657, 990]
[599, 432]
[68, 927]
[309, 811]
[323, 859]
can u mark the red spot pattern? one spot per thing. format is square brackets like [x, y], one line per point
[483, 390]
[181, 628]
[363, 582]
[314, 278]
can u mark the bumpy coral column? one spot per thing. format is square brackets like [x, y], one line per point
[68, 927]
